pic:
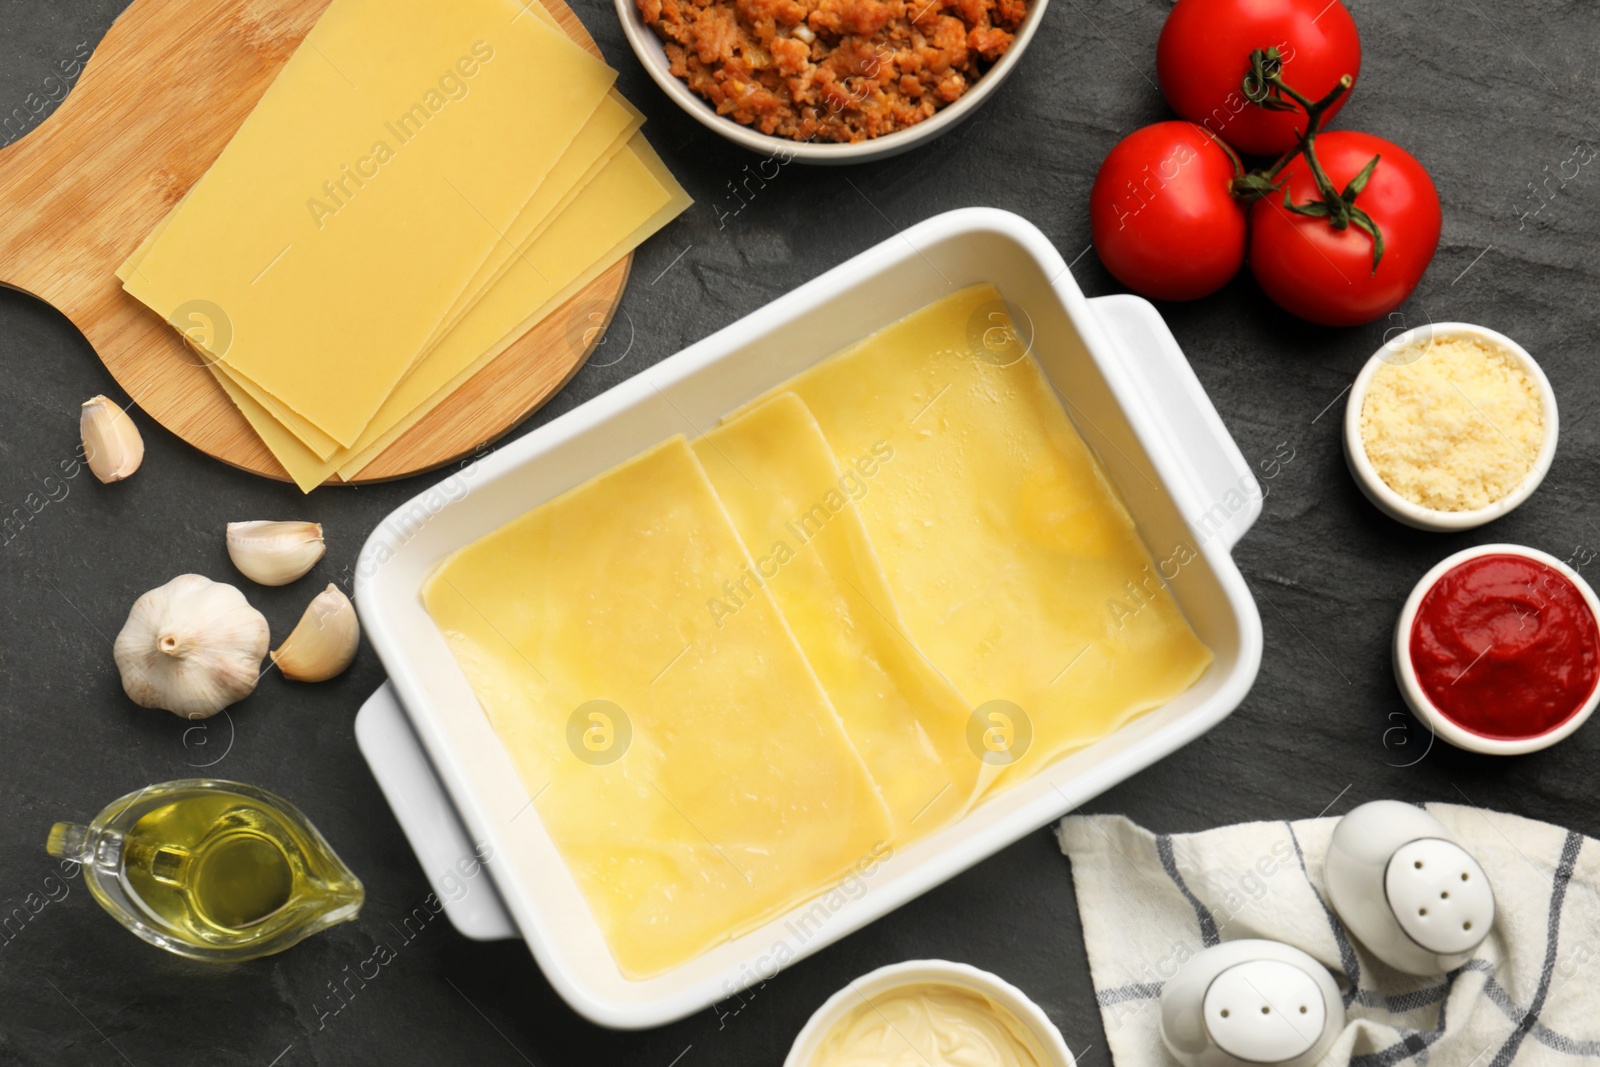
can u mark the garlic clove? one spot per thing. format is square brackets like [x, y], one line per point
[111, 442]
[275, 553]
[324, 641]
[191, 647]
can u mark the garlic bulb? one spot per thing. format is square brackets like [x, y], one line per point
[111, 442]
[191, 647]
[274, 553]
[323, 642]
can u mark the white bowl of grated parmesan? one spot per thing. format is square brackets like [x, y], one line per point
[1450, 426]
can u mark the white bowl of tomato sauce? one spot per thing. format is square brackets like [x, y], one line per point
[1497, 650]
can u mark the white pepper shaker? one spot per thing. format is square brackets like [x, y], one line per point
[1251, 1002]
[1406, 888]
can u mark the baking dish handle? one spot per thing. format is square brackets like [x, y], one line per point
[1224, 498]
[453, 868]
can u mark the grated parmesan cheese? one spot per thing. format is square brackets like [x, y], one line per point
[1452, 425]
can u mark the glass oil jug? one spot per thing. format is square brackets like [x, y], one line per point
[212, 870]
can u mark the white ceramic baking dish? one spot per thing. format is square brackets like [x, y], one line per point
[1127, 388]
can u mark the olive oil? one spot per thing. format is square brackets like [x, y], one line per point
[212, 870]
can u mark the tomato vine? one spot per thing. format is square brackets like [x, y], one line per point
[1264, 86]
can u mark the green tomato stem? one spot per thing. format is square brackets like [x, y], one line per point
[1265, 87]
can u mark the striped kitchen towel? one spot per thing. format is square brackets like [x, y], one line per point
[1531, 995]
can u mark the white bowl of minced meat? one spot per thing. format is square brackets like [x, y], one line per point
[829, 81]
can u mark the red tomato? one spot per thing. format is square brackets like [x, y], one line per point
[1204, 54]
[1325, 275]
[1163, 219]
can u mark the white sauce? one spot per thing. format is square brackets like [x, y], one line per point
[929, 1025]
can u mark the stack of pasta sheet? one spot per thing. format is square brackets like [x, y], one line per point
[423, 183]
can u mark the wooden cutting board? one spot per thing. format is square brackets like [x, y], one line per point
[160, 99]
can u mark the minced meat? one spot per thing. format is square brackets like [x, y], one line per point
[832, 70]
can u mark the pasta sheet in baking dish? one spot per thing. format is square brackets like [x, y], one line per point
[737, 792]
[730, 670]
[1017, 568]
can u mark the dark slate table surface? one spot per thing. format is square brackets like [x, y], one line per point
[1493, 95]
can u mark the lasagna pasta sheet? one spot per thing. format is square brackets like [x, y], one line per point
[733, 670]
[1018, 571]
[735, 792]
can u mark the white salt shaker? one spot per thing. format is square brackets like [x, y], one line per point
[1406, 889]
[1251, 1002]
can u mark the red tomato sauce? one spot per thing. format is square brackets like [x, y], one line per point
[1506, 647]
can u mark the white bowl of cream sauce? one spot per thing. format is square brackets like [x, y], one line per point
[930, 1013]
